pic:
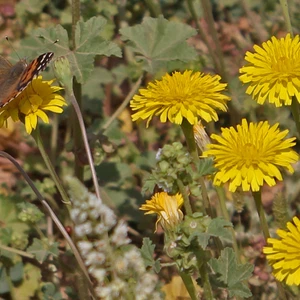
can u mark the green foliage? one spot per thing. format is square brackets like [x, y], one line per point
[41, 249]
[29, 213]
[231, 273]
[205, 167]
[88, 43]
[158, 41]
[147, 251]
[50, 292]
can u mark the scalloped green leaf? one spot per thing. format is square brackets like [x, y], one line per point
[158, 41]
[88, 42]
[42, 249]
[232, 273]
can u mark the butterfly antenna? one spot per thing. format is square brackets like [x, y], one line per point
[12, 47]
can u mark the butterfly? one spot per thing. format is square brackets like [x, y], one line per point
[15, 78]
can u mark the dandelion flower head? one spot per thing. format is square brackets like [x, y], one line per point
[283, 253]
[167, 208]
[34, 102]
[273, 71]
[251, 155]
[188, 95]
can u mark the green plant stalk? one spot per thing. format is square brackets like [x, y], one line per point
[54, 218]
[286, 15]
[124, 104]
[16, 251]
[54, 138]
[261, 214]
[202, 267]
[188, 282]
[264, 225]
[154, 8]
[36, 135]
[222, 201]
[186, 200]
[296, 113]
[188, 132]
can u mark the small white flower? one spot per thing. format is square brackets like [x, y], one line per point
[99, 274]
[119, 236]
[84, 247]
[95, 258]
[83, 229]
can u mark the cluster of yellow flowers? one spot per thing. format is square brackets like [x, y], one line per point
[246, 157]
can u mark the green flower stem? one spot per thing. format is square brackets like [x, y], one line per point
[264, 225]
[222, 201]
[188, 132]
[261, 214]
[16, 251]
[188, 282]
[55, 220]
[36, 135]
[54, 138]
[286, 15]
[202, 267]
[124, 104]
[186, 203]
[296, 113]
[154, 8]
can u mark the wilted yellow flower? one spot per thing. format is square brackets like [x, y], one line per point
[33, 103]
[192, 96]
[201, 136]
[273, 71]
[284, 254]
[251, 155]
[167, 208]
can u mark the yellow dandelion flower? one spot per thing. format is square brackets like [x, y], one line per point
[273, 71]
[178, 96]
[33, 103]
[167, 208]
[251, 155]
[284, 254]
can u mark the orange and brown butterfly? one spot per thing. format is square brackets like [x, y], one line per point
[15, 78]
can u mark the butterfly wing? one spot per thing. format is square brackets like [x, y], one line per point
[18, 76]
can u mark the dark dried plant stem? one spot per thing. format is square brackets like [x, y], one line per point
[54, 218]
[77, 110]
[203, 34]
[124, 104]
[77, 89]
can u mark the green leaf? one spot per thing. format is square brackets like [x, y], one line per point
[41, 249]
[147, 252]
[88, 41]
[16, 272]
[205, 167]
[158, 41]
[219, 227]
[49, 292]
[4, 285]
[9, 217]
[30, 283]
[232, 273]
